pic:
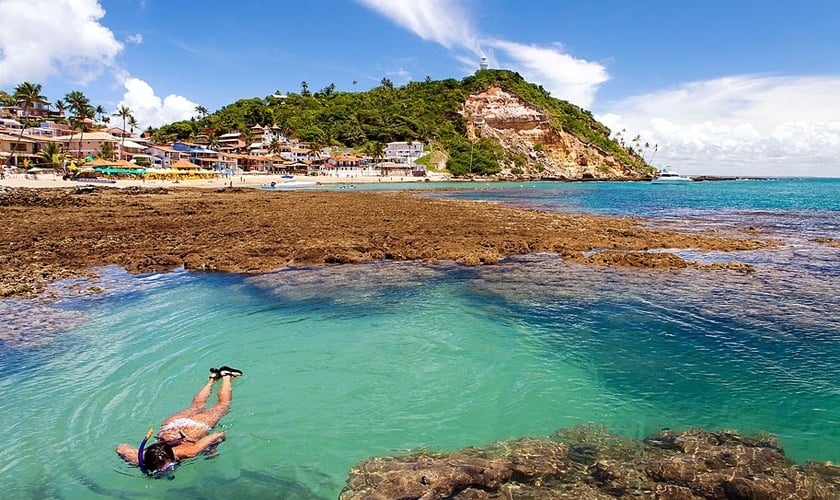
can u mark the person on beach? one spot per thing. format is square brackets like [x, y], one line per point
[184, 434]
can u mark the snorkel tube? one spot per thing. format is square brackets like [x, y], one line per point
[140, 451]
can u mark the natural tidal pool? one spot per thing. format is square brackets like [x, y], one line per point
[346, 362]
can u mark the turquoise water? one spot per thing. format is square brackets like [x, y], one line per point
[346, 362]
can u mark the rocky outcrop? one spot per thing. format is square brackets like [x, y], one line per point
[588, 462]
[536, 148]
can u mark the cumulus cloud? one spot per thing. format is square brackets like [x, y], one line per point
[151, 110]
[42, 38]
[744, 125]
[445, 22]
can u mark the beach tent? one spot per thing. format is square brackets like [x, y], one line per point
[183, 164]
[101, 162]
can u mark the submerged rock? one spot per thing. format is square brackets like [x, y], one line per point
[589, 462]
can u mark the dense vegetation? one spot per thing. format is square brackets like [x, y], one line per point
[418, 111]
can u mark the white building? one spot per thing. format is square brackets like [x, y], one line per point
[408, 151]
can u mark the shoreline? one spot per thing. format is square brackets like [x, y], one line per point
[42, 181]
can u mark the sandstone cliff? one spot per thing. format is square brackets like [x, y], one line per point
[536, 148]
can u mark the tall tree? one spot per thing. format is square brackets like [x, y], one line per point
[26, 95]
[201, 110]
[61, 107]
[81, 111]
[100, 110]
[125, 113]
[304, 89]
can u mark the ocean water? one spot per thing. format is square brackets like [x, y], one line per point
[346, 362]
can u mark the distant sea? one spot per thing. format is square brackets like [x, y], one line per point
[346, 362]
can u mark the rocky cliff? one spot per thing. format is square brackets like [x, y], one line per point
[536, 148]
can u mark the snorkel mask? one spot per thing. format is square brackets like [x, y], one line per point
[164, 471]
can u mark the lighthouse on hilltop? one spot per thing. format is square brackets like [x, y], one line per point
[483, 64]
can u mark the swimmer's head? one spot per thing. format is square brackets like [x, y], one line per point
[159, 459]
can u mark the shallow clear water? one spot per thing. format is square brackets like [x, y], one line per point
[346, 362]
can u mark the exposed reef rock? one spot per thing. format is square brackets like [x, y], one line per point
[546, 152]
[51, 234]
[588, 462]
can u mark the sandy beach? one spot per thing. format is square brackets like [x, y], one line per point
[155, 227]
[238, 181]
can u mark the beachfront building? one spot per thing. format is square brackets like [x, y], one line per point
[231, 142]
[296, 154]
[405, 150]
[87, 144]
[395, 168]
[129, 148]
[348, 166]
[167, 155]
[20, 148]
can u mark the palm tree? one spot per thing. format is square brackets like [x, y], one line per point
[51, 154]
[378, 150]
[26, 95]
[100, 110]
[132, 122]
[201, 110]
[80, 108]
[61, 107]
[123, 112]
[304, 89]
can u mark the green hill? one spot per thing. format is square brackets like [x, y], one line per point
[428, 111]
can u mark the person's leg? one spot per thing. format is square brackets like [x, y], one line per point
[198, 402]
[215, 413]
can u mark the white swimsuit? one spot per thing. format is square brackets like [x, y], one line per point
[179, 423]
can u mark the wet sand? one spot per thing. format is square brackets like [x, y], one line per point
[65, 232]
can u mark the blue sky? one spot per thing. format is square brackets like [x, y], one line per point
[724, 87]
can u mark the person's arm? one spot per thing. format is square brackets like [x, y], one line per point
[190, 450]
[127, 453]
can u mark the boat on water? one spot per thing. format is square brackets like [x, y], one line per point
[287, 184]
[667, 176]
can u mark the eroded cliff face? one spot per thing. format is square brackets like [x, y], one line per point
[541, 150]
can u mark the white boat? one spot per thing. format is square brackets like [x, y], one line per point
[277, 186]
[667, 176]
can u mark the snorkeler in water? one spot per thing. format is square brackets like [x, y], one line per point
[185, 434]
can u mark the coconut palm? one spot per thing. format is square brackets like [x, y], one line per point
[61, 107]
[100, 110]
[81, 110]
[132, 122]
[26, 95]
[123, 112]
[51, 154]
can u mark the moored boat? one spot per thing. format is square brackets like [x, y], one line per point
[667, 176]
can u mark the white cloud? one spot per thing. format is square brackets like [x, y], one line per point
[151, 110]
[41, 38]
[440, 21]
[445, 22]
[740, 125]
[136, 39]
[566, 77]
